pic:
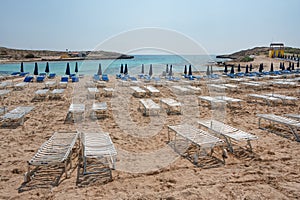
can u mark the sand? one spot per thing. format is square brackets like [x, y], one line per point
[271, 171]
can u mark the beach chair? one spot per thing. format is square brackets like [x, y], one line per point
[3, 94]
[64, 79]
[211, 101]
[293, 125]
[15, 116]
[50, 84]
[96, 77]
[76, 112]
[230, 101]
[172, 106]
[181, 90]
[55, 152]
[56, 94]
[6, 84]
[108, 92]
[148, 107]
[23, 74]
[75, 79]
[98, 154]
[138, 92]
[40, 78]
[285, 99]
[93, 93]
[41, 94]
[99, 110]
[230, 134]
[28, 79]
[199, 138]
[51, 75]
[20, 86]
[152, 91]
[267, 99]
[294, 116]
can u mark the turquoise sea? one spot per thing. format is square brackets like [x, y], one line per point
[89, 67]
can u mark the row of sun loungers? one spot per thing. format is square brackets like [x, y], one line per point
[270, 99]
[95, 92]
[15, 116]
[219, 100]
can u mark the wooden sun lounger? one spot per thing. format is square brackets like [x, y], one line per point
[267, 99]
[292, 124]
[15, 116]
[56, 151]
[285, 99]
[172, 106]
[149, 107]
[229, 133]
[99, 110]
[152, 90]
[138, 92]
[97, 146]
[200, 138]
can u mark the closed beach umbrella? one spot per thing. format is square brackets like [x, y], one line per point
[22, 68]
[261, 68]
[47, 70]
[293, 66]
[207, 71]
[239, 68]
[68, 70]
[185, 70]
[272, 68]
[297, 64]
[250, 67]
[143, 70]
[121, 69]
[99, 70]
[225, 69]
[282, 67]
[190, 70]
[211, 70]
[76, 67]
[232, 69]
[150, 70]
[36, 69]
[167, 69]
[126, 69]
[247, 69]
[170, 71]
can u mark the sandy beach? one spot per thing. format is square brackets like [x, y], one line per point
[270, 171]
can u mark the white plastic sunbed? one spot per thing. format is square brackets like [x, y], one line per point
[152, 90]
[3, 93]
[269, 100]
[20, 86]
[93, 92]
[76, 111]
[200, 138]
[41, 94]
[285, 99]
[229, 133]
[181, 90]
[292, 124]
[56, 151]
[50, 84]
[172, 106]
[99, 110]
[16, 116]
[294, 116]
[138, 92]
[211, 100]
[108, 92]
[149, 107]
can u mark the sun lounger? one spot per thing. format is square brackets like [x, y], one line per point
[62, 85]
[20, 86]
[93, 93]
[99, 110]
[267, 99]
[41, 94]
[292, 124]
[52, 75]
[172, 106]
[255, 85]
[6, 84]
[28, 79]
[196, 90]
[229, 100]
[211, 100]
[2, 110]
[215, 87]
[229, 133]
[285, 99]
[201, 139]
[149, 107]
[152, 90]
[284, 84]
[138, 92]
[56, 94]
[50, 84]
[15, 116]
[108, 92]
[98, 153]
[56, 151]
[181, 90]
[64, 79]
[231, 87]
[76, 112]
[294, 116]
[3, 93]
[40, 78]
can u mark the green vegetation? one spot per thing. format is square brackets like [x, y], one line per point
[30, 55]
[247, 59]
[290, 50]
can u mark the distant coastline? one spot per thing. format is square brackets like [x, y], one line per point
[8, 55]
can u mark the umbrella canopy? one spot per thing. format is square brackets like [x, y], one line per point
[232, 70]
[239, 68]
[99, 70]
[247, 69]
[185, 70]
[126, 69]
[76, 67]
[150, 70]
[225, 69]
[167, 69]
[190, 70]
[143, 70]
[68, 70]
[170, 71]
[250, 67]
[121, 69]
[272, 68]
[21, 68]
[282, 67]
[207, 71]
[36, 69]
[47, 70]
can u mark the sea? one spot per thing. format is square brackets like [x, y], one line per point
[112, 67]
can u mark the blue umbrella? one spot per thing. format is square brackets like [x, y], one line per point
[76, 67]
[36, 69]
[150, 70]
[190, 70]
[99, 70]
[126, 69]
[121, 69]
[68, 70]
[22, 68]
[47, 70]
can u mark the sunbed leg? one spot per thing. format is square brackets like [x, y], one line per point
[66, 170]
[249, 144]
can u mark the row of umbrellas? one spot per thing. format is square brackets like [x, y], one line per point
[47, 69]
[261, 67]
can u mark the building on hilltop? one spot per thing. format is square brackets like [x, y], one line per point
[276, 50]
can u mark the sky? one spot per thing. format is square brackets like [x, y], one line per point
[218, 26]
